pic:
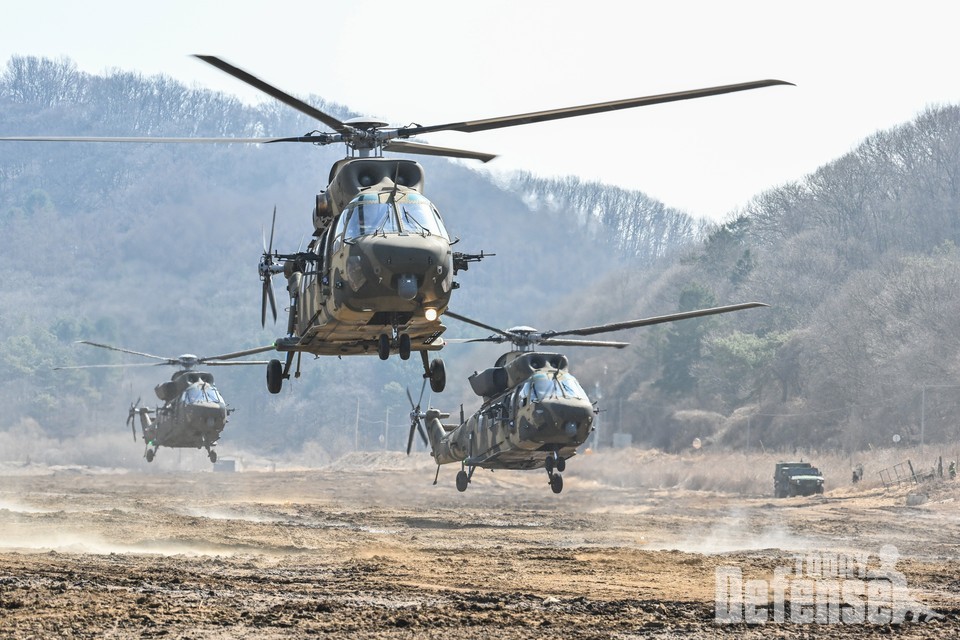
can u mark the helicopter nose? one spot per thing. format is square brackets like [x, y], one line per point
[208, 413]
[569, 420]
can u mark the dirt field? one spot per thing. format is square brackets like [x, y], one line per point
[368, 548]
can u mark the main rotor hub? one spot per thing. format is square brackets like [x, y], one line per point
[366, 123]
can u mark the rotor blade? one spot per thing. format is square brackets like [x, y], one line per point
[238, 363]
[115, 366]
[423, 434]
[476, 323]
[236, 354]
[497, 339]
[273, 300]
[644, 322]
[599, 107]
[130, 351]
[263, 302]
[403, 146]
[582, 343]
[423, 386]
[146, 140]
[410, 398]
[273, 92]
[273, 226]
[413, 427]
[267, 294]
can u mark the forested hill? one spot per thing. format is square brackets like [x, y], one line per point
[860, 264]
[154, 247]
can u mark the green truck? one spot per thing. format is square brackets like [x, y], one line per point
[796, 479]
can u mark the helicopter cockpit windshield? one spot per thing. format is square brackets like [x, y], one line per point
[365, 217]
[418, 215]
[202, 393]
[409, 213]
[542, 386]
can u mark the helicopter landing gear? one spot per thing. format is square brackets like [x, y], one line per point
[274, 376]
[552, 462]
[212, 455]
[434, 371]
[404, 346]
[383, 346]
[149, 454]
[277, 372]
[464, 477]
[556, 483]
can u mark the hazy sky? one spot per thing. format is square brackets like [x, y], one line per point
[858, 66]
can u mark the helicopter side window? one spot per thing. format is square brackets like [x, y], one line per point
[524, 394]
[338, 234]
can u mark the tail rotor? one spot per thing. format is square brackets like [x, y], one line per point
[416, 417]
[267, 270]
[134, 410]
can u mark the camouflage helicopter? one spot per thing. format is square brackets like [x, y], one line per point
[534, 413]
[378, 272]
[193, 413]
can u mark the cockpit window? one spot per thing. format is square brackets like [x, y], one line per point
[365, 218]
[572, 388]
[418, 215]
[201, 393]
[542, 386]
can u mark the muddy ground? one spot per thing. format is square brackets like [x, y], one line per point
[369, 548]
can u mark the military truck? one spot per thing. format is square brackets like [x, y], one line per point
[796, 479]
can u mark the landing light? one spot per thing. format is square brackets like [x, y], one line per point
[430, 314]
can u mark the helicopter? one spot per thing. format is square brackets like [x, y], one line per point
[534, 413]
[377, 274]
[193, 413]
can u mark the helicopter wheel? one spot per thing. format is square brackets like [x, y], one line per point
[438, 376]
[561, 464]
[150, 453]
[548, 465]
[556, 483]
[383, 346]
[462, 481]
[213, 456]
[404, 346]
[274, 376]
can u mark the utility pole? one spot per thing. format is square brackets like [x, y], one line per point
[923, 412]
[386, 430]
[356, 428]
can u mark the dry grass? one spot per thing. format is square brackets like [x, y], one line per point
[745, 473]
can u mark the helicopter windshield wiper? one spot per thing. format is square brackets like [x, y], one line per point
[558, 385]
[423, 230]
